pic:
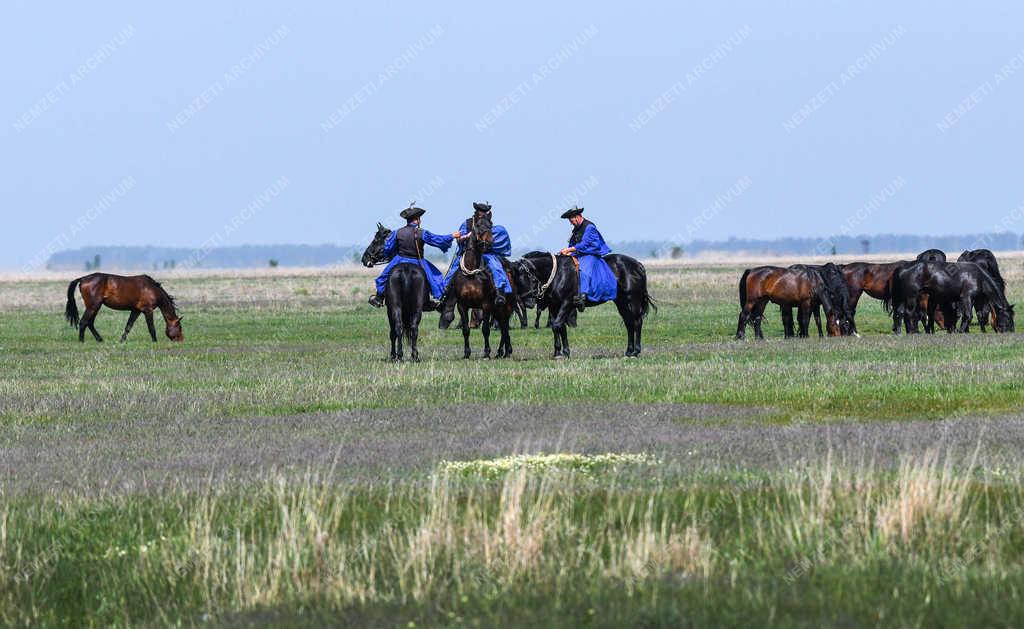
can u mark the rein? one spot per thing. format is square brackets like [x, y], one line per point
[554, 268]
[462, 258]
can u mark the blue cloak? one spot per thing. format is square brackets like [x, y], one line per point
[435, 279]
[597, 281]
[502, 248]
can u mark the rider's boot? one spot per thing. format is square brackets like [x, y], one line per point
[377, 300]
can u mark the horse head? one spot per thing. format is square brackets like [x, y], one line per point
[1004, 318]
[527, 284]
[174, 329]
[374, 253]
[840, 319]
[482, 237]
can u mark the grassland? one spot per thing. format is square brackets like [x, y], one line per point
[275, 468]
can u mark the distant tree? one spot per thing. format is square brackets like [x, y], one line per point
[865, 245]
[273, 263]
[677, 252]
[88, 265]
[96, 261]
[833, 248]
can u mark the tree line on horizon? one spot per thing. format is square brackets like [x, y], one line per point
[150, 258]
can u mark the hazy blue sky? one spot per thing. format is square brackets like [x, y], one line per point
[181, 116]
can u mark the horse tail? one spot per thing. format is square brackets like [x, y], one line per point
[891, 288]
[71, 309]
[743, 289]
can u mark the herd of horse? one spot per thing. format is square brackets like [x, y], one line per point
[539, 279]
[928, 290]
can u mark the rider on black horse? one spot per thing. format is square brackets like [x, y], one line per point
[406, 245]
[597, 282]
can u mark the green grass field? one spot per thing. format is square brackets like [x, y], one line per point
[275, 468]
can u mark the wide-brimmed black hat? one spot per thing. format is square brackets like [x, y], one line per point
[573, 211]
[410, 213]
[482, 206]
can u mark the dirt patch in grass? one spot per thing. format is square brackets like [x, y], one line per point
[372, 445]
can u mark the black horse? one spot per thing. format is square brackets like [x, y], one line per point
[987, 261]
[559, 284]
[956, 288]
[931, 255]
[407, 290]
[839, 290]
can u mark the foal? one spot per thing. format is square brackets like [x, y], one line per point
[140, 294]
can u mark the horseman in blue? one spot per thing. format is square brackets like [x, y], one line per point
[500, 249]
[597, 282]
[406, 245]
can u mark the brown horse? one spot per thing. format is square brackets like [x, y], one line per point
[870, 278]
[140, 294]
[796, 286]
[474, 289]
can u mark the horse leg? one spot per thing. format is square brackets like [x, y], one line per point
[524, 319]
[804, 319]
[966, 313]
[412, 329]
[131, 321]
[464, 324]
[626, 312]
[854, 299]
[85, 322]
[558, 329]
[485, 327]
[817, 319]
[757, 317]
[149, 324]
[787, 321]
[505, 344]
[89, 321]
[746, 312]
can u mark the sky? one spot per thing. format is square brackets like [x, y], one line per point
[227, 123]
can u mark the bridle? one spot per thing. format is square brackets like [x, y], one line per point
[462, 258]
[551, 278]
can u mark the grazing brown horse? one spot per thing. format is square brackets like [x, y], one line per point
[870, 278]
[796, 286]
[474, 289]
[140, 294]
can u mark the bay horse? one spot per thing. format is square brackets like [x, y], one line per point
[140, 295]
[987, 261]
[871, 278]
[474, 288]
[406, 291]
[559, 284]
[797, 286]
[957, 288]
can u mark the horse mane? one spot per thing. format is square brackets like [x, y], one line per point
[166, 298]
[996, 285]
[836, 285]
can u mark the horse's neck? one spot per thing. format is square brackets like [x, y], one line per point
[471, 258]
[991, 290]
